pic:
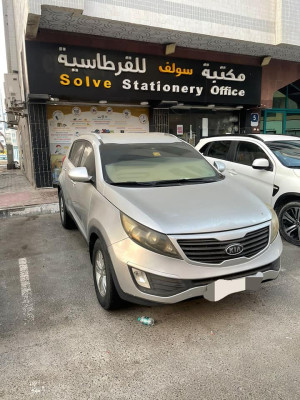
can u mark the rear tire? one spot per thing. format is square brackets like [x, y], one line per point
[106, 292]
[66, 220]
[289, 222]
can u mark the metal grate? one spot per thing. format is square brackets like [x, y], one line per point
[212, 251]
[161, 119]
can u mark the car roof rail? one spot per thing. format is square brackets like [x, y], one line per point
[234, 135]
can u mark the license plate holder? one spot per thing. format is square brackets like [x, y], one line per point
[223, 287]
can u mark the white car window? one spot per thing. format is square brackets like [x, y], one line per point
[88, 160]
[76, 152]
[247, 152]
[219, 149]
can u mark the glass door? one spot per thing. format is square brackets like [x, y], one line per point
[193, 124]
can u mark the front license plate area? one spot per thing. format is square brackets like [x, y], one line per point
[222, 287]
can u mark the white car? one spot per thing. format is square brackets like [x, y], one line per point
[268, 165]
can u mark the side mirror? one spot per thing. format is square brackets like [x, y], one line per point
[79, 174]
[261, 163]
[220, 166]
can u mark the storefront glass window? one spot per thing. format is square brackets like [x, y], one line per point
[284, 118]
[292, 124]
[293, 100]
[274, 122]
[262, 118]
[279, 100]
[196, 124]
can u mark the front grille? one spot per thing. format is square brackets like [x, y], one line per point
[212, 251]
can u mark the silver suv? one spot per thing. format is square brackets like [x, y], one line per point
[162, 224]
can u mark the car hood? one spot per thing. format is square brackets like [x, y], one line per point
[297, 172]
[196, 208]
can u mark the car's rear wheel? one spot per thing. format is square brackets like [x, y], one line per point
[66, 220]
[102, 270]
[289, 222]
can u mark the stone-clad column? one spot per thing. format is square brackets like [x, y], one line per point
[40, 144]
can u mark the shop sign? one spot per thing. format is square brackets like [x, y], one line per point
[71, 72]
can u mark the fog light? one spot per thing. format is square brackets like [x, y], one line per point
[141, 278]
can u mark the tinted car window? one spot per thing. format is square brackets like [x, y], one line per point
[247, 152]
[76, 152]
[88, 160]
[219, 149]
[203, 149]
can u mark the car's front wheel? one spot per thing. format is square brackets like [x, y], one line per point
[102, 270]
[289, 222]
[66, 221]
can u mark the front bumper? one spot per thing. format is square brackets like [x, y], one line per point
[174, 280]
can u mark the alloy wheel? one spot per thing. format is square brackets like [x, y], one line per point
[291, 222]
[62, 209]
[100, 270]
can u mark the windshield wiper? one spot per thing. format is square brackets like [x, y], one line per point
[183, 181]
[166, 182]
[132, 183]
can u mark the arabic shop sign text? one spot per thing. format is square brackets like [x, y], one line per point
[92, 74]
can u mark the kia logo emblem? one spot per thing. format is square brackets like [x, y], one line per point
[234, 249]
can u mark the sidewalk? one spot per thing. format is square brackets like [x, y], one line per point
[18, 197]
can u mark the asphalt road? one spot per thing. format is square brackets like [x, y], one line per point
[57, 342]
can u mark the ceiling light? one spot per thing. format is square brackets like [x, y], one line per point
[103, 101]
[211, 106]
[239, 107]
[144, 103]
[265, 61]
[170, 48]
[169, 102]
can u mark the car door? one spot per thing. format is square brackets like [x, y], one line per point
[259, 181]
[71, 162]
[85, 190]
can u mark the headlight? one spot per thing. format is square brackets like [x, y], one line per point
[274, 224]
[148, 238]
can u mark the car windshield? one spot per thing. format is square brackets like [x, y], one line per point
[287, 152]
[155, 164]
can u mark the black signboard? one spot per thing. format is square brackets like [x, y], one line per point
[83, 73]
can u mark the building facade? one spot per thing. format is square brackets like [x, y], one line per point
[188, 68]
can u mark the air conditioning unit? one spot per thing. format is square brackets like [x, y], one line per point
[11, 118]
[12, 91]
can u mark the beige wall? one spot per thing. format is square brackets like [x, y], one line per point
[25, 150]
[16, 13]
[259, 21]
[234, 19]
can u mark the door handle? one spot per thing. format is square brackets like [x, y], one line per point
[232, 172]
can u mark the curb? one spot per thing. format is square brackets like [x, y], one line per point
[27, 211]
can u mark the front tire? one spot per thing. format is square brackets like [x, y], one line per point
[66, 221]
[289, 222]
[104, 285]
